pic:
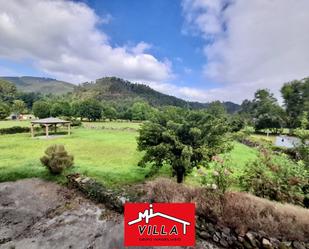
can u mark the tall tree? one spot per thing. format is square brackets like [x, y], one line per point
[247, 109]
[182, 139]
[216, 108]
[90, 109]
[266, 111]
[18, 107]
[4, 110]
[296, 100]
[29, 98]
[141, 111]
[41, 109]
[109, 112]
[61, 108]
[7, 91]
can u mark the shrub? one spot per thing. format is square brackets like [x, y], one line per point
[14, 129]
[220, 178]
[275, 178]
[303, 148]
[76, 122]
[56, 159]
[208, 202]
[244, 212]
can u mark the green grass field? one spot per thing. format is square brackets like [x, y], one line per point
[113, 125]
[110, 156]
[270, 138]
[239, 156]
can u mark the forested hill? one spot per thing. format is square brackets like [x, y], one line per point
[40, 85]
[113, 89]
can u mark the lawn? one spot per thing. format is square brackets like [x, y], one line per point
[238, 157]
[265, 138]
[107, 124]
[110, 156]
[113, 125]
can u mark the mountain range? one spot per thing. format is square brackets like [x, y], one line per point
[41, 85]
[109, 89]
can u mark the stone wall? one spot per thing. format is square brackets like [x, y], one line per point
[112, 199]
[227, 238]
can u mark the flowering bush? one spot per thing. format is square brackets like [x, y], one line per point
[219, 178]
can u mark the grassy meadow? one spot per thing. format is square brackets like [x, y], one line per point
[110, 156]
[112, 125]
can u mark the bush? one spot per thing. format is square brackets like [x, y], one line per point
[14, 129]
[275, 178]
[76, 122]
[56, 159]
[220, 178]
[303, 148]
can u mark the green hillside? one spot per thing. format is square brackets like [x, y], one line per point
[108, 89]
[39, 84]
[113, 89]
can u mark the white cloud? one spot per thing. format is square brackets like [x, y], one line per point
[184, 92]
[251, 44]
[63, 40]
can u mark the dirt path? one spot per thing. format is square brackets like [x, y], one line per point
[42, 215]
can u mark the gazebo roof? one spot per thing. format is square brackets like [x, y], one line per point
[50, 120]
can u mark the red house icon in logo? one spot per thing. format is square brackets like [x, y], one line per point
[148, 214]
[159, 224]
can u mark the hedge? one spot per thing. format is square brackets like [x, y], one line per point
[14, 129]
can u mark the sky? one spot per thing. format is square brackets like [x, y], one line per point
[199, 50]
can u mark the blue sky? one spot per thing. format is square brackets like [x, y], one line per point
[160, 24]
[200, 50]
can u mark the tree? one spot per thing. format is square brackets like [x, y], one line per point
[268, 121]
[29, 98]
[182, 139]
[267, 112]
[75, 109]
[236, 122]
[7, 91]
[18, 107]
[110, 112]
[141, 111]
[61, 109]
[41, 109]
[90, 109]
[216, 108]
[4, 110]
[296, 100]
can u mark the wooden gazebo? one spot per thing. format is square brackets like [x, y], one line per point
[47, 122]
